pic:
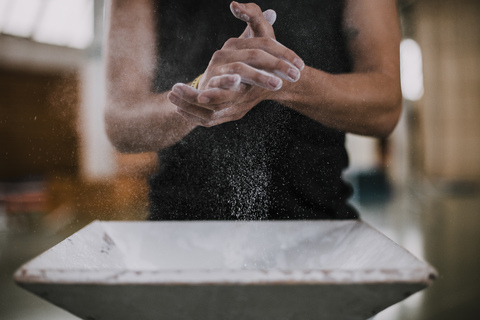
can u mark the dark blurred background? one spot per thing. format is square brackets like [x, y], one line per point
[58, 172]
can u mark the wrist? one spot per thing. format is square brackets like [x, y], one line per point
[285, 94]
[292, 92]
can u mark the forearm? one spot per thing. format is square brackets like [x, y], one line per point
[361, 103]
[137, 119]
[147, 124]
[368, 100]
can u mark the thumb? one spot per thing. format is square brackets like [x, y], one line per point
[259, 23]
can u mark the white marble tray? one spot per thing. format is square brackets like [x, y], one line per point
[333, 270]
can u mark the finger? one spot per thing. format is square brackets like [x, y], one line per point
[226, 81]
[186, 100]
[251, 75]
[191, 113]
[217, 99]
[222, 92]
[202, 105]
[268, 45]
[253, 15]
[186, 92]
[190, 108]
[270, 15]
[262, 60]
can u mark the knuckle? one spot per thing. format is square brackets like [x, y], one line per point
[212, 83]
[235, 67]
[267, 40]
[208, 117]
[231, 42]
[289, 55]
[252, 55]
[217, 55]
[215, 82]
[255, 8]
[280, 65]
[264, 41]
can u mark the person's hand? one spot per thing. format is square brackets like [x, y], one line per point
[240, 75]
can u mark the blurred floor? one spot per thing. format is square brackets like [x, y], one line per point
[17, 246]
[441, 228]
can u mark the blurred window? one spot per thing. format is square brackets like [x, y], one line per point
[60, 22]
[411, 70]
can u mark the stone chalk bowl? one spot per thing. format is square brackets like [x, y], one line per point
[333, 270]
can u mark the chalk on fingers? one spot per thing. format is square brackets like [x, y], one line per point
[270, 15]
[234, 7]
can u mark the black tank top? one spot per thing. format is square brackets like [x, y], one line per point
[274, 163]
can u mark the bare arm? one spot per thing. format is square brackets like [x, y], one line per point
[367, 101]
[137, 119]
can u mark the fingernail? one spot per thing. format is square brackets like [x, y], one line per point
[294, 74]
[299, 63]
[177, 89]
[275, 83]
[203, 99]
[173, 98]
[235, 79]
